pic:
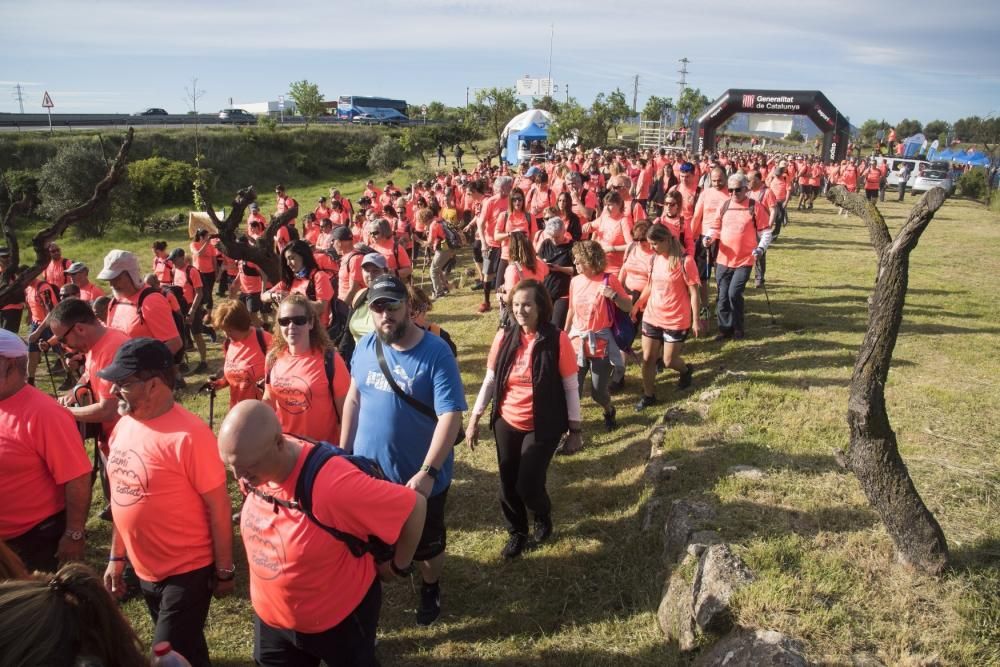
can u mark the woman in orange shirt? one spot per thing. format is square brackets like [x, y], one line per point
[613, 230]
[245, 351]
[531, 380]
[306, 381]
[670, 299]
[634, 274]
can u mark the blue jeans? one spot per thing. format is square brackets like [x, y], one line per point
[732, 281]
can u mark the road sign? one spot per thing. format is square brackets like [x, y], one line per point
[281, 101]
[47, 100]
[423, 110]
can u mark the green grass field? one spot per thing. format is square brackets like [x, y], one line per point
[825, 564]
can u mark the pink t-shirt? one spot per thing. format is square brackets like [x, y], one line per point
[301, 393]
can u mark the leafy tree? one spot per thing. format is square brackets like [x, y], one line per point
[386, 155]
[795, 135]
[935, 129]
[868, 130]
[656, 107]
[308, 99]
[570, 120]
[547, 103]
[494, 107]
[436, 110]
[67, 180]
[691, 103]
[618, 109]
[907, 128]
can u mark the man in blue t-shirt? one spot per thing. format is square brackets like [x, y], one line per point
[407, 417]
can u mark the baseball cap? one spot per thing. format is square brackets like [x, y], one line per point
[687, 168]
[175, 253]
[76, 267]
[375, 258]
[11, 345]
[532, 171]
[135, 355]
[117, 262]
[254, 207]
[342, 234]
[387, 288]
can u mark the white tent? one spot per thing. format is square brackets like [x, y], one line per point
[529, 125]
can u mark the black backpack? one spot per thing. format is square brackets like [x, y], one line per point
[315, 460]
[293, 232]
[260, 341]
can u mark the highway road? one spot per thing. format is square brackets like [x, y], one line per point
[39, 122]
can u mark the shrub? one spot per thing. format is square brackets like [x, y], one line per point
[17, 183]
[267, 122]
[972, 184]
[795, 135]
[68, 180]
[386, 155]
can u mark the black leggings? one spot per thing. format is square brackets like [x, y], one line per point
[523, 463]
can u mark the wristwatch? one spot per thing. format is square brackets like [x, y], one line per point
[75, 535]
[431, 471]
[223, 574]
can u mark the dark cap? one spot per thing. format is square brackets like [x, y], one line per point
[175, 253]
[687, 168]
[135, 356]
[76, 267]
[342, 233]
[387, 288]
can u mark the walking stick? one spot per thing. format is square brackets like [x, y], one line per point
[766, 297]
[48, 365]
[211, 408]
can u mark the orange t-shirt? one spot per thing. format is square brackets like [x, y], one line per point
[638, 259]
[159, 470]
[41, 450]
[41, 298]
[706, 210]
[244, 366]
[188, 279]
[301, 393]
[164, 269]
[508, 223]
[249, 284]
[90, 292]
[101, 356]
[611, 231]
[669, 305]
[873, 178]
[517, 406]
[538, 200]
[301, 577]
[587, 306]
[323, 289]
[350, 272]
[492, 209]
[55, 272]
[511, 277]
[390, 250]
[737, 234]
[157, 320]
[203, 256]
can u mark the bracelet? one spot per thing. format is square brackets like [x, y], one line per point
[116, 559]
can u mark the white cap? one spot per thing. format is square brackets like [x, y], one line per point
[11, 345]
[118, 261]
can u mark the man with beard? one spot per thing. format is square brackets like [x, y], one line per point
[404, 409]
[137, 310]
[169, 503]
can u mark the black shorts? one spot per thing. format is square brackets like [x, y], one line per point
[810, 189]
[477, 252]
[434, 538]
[252, 302]
[491, 261]
[197, 323]
[871, 195]
[666, 335]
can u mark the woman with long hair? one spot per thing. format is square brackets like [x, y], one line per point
[589, 323]
[515, 219]
[244, 349]
[613, 230]
[634, 274]
[306, 380]
[531, 381]
[670, 300]
[301, 275]
[673, 219]
[571, 221]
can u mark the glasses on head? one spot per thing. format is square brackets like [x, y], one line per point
[385, 306]
[297, 320]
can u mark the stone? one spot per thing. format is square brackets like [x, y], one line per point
[685, 518]
[754, 648]
[700, 541]
[651, 506]
[865, 659]
[710, 395]
[720, 574]
[675, 614]
[746, 472]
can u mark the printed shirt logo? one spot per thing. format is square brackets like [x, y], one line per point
[293, 395]
[129, 479]
[265, 548]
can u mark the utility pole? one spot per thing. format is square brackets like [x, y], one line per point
[635, 94]
[19, 96]
[567, 93]
[552, 36]
[683, 71]
[466, 97]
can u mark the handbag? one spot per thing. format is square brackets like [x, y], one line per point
[622, 326]
[419, 406]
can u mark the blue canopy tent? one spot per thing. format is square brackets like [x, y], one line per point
[523, 129]
[528, 134]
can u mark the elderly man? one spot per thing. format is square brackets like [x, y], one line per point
[742, 228]
[79, 275]
[169, 502]
[137, 310]
[404, 409]
[45, 471]
[486, 224]
[313, 598]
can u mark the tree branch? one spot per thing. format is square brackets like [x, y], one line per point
[921, 216]
[262, 254]
[857, 204]
[40, 242]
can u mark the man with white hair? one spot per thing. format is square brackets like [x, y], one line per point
[136, 309]
[742, 227]
[45, 471]
[487, 222]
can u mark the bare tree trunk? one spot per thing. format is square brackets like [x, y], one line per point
[873, 454]
[10, 292]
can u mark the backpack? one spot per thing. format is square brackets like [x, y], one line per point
[293, 232]
[452, 238]
[146, 291]
[320, 454]
[752, 206]
[260, 341]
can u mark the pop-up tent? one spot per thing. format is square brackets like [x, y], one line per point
[522, 130]
[913, 145]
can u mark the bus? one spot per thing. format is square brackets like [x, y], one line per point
[349, 106]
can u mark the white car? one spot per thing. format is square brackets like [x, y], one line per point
[933, 178]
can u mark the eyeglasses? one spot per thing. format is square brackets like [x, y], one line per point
[126, 386]
[385, 306]
[673, 203]
[736, 189]
[297, 320]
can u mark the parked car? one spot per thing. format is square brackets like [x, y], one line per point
[151, 111]
[237, 117]
[933, 178]
[896, 167]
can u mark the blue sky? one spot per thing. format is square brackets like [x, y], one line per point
[916, 59]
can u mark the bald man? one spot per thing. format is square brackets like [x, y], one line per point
[313, 600]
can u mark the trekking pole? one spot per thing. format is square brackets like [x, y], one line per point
[211, 408]
[766, 297]
[48, 365]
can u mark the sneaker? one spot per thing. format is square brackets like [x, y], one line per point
[211, 333]
[645, 402]
[543, 528]
[430, 603]
[202, 367]
[484, 306]
[684, 381]
[58, 371]
[610, 424]
[516, 544]
[105, 514]
[477, 286]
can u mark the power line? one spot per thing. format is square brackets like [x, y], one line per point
[683, 71]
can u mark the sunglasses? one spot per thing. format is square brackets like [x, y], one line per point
[673, 203]
[297, 320]
[385, 306]
[736, 189]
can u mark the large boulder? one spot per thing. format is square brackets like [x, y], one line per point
[754, 648]
[720, 574]
[685, 518]
[676, 613]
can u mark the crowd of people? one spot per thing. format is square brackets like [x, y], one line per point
[345, 402]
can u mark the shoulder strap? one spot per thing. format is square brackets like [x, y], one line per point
[409, 400]
[146, 291]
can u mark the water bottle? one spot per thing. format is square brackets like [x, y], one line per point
[165, 656]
